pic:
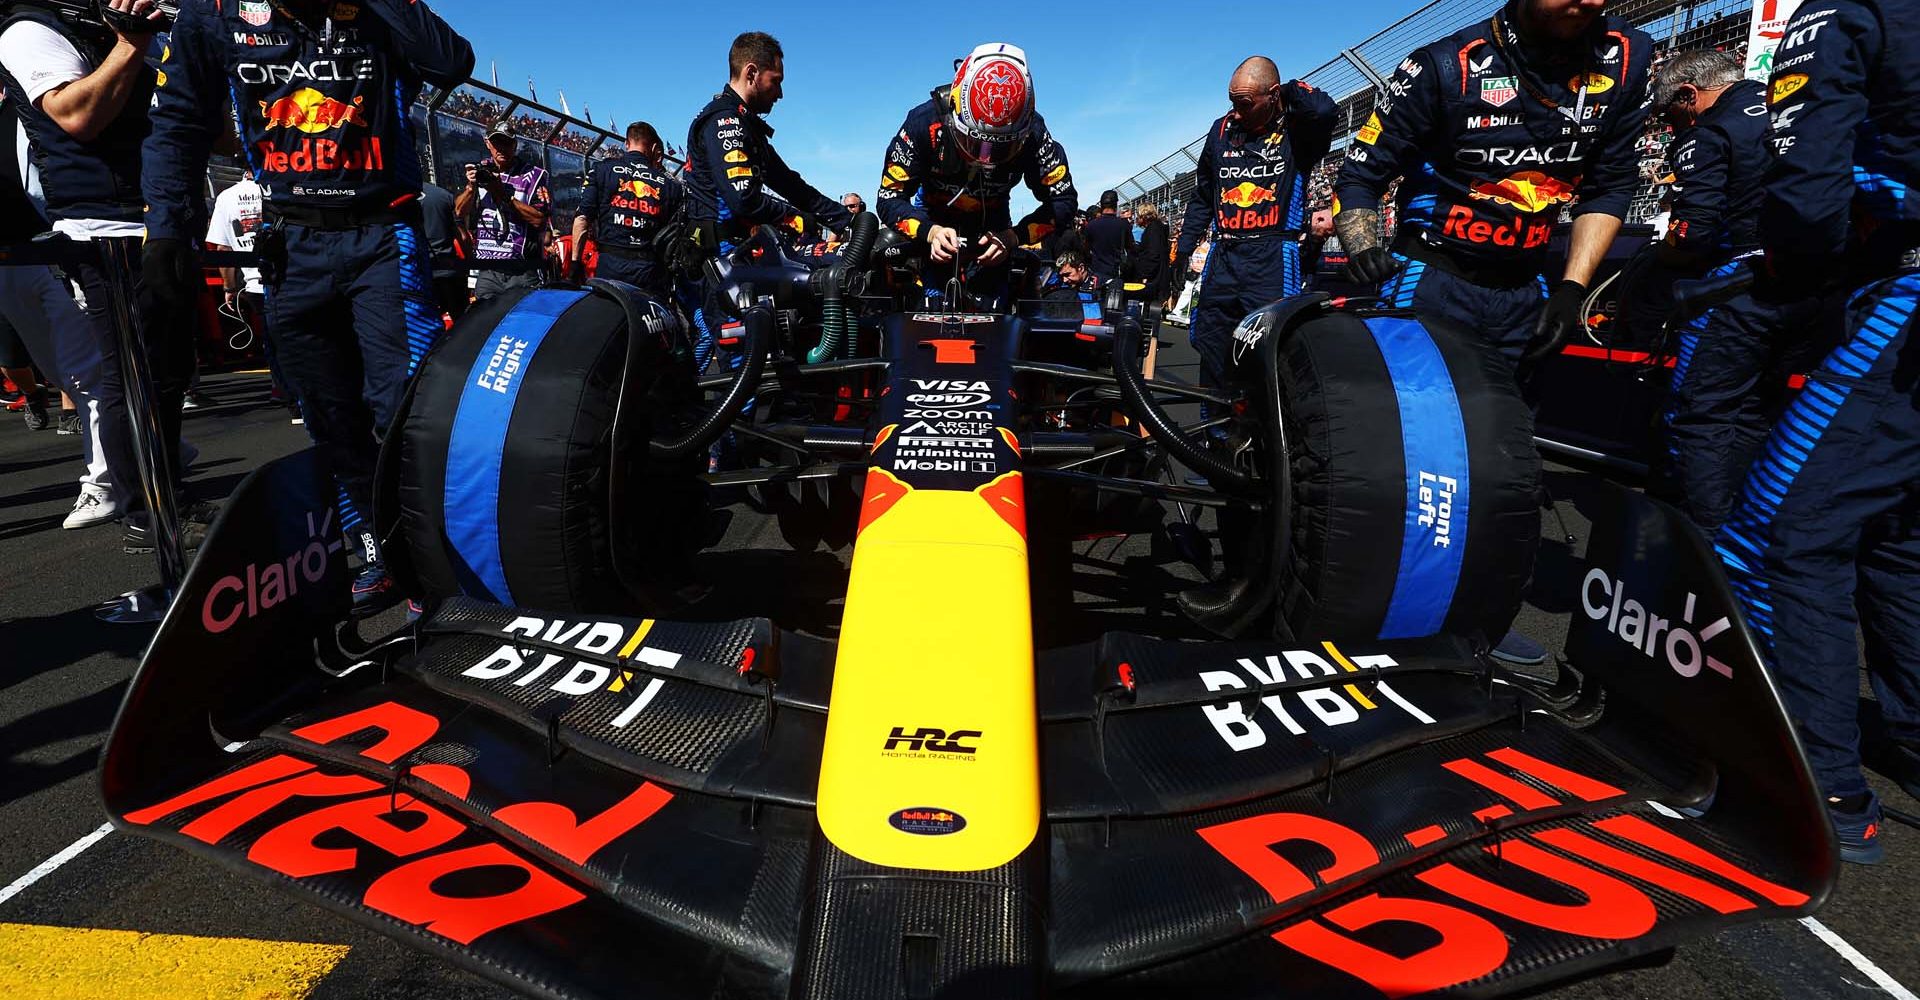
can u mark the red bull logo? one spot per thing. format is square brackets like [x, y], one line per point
[1246, 194]
[323, 155]
[1240, 209]
[640, 189]
[311, 111]
[1463, 224]
[1530, 191]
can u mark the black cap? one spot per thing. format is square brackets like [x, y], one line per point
[1109, 199]
[501, 129]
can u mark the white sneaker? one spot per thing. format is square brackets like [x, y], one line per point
[91, 509]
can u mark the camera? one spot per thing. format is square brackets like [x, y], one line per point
[95, 16]
[483, 174]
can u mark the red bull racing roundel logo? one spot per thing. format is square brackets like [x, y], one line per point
[997, 93]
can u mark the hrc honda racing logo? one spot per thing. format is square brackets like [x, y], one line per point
[1670, 641]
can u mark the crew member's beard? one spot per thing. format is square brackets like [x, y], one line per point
[1540, 38]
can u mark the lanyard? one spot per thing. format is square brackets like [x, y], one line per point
[325, 37]
[1519, 71]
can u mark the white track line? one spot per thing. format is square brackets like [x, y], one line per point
[1837, 943]
[72, 851]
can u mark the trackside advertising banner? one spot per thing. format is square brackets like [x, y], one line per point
[1770, 19]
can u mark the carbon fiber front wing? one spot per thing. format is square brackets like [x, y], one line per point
[612, 807]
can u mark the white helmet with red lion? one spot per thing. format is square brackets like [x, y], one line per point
[991, 104]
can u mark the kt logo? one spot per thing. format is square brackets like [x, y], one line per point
[929, 740]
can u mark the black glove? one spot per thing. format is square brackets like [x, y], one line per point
[576, 272]
[169, 271]
[1180, 266]
[1562, 315]
[1371, 267]
[1627, 287]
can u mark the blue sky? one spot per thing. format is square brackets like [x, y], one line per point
[1121, 83]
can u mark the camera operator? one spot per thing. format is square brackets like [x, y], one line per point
[506, 202]
[321, 104]
[84, 92]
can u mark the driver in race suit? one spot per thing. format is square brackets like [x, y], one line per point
[321, 91]
[1824, 543]
[1250, 187]
[1497, 128]
[951, 167]
[735, 179]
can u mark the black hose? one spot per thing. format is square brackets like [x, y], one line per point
[757, 323]
[1126, 354]
[860, 242]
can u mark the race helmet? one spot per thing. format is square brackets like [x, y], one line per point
[990, 105]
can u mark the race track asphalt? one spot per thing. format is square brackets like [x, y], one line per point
[62, 675]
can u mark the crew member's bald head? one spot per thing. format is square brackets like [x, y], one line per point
[1255, 93]
[1256, 73]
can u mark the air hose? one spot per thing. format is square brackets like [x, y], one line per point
[1126, 354]
[836, 324]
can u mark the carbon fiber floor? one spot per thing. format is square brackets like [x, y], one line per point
[62, 675]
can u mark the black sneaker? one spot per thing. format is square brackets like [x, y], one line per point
[69, 422]
[37, 419]
[138, 537]
[1859, 832]
[1519, 650]
[373, 590]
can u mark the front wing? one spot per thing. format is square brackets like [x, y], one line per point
[616, 807]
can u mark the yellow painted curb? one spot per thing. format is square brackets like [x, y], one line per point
[56, 963]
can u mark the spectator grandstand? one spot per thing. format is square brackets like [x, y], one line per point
[1351, 76]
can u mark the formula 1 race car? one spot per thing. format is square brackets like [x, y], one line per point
[551, 781]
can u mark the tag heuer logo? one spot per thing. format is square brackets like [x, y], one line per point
[1498, 90]
[256, 14]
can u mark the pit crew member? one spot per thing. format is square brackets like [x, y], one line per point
[320, 90]
[83, 96]
[1497, 128]
[1726, 386]
[736, 180]
[1110, 243]
[1826, 535]
[627, 197]
[1250, 191]
[952, 166]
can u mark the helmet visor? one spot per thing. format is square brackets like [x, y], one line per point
[988, 152]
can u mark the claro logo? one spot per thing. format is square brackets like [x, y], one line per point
[263, 586]
[1605, 600]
